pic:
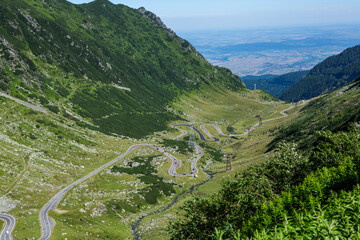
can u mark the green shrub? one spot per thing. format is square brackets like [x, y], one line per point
[54, 109]
[21, 97]
[43, 100]
[4, 86]
[215, 153]
[264, 197]
[230, 129]
[156, 185]
[32, 95]
[333, 147]
[337, 220]
[239, 199]
[32, 136]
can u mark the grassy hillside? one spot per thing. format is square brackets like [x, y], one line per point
[335, 111]
[331, 74]
[297, 192]
[275, 85]
[99, 63]
[223, 108]
[41, 153]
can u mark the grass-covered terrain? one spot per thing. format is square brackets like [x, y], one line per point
[100, 64]
[224, 108]
[290, 196]
[247, 150]
[308, 192]
[42, 153]
[39, 155]
[334, 111]
[104, 68]
[117, 197]
[107, 74]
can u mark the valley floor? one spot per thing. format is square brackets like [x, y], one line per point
[41, 154]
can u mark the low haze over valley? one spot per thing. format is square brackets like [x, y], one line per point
[273, 50]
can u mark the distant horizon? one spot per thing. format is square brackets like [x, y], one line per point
[274, 50]
[258, 28]
[205, 15]
[225, 44]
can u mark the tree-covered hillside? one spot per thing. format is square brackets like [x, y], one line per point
[331, 74]
[108, 67]
[275, 85]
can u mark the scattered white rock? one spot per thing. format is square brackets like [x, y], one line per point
[7, 204]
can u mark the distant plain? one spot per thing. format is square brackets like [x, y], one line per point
[273, 51]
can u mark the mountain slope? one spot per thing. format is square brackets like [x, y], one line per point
[295, 193]
[276, 85]
[334, 111]
[331, 74]
[100, 64]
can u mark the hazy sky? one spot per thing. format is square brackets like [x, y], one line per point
[185, 15]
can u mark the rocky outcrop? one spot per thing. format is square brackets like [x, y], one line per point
[155, 20]
[159, 23]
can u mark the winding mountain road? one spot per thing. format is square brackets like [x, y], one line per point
[193, 164]
[202, 137]
[203, 127]
[10, 222]
[47, 223]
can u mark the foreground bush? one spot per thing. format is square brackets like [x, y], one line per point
[267, 200]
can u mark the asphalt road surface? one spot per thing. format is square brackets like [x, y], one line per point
[202, 137]
[47, 223]
[26, 104]
[203, 127]
[10, 222]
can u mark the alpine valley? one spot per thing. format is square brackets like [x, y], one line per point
[114, 127]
